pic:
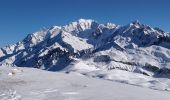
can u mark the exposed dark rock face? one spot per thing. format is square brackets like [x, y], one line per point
[151, 68]
[163, 72]
[102, 58]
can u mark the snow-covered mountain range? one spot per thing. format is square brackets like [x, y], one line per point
[86, 46]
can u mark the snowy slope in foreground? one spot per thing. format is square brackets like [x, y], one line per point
[35, 84]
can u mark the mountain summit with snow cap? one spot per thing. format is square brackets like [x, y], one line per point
[134, 47]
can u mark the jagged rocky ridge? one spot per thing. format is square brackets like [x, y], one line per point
[134, 47]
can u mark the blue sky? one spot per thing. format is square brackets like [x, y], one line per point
[20, 17]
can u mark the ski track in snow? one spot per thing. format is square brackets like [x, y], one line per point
[54, 94]
[8, 94]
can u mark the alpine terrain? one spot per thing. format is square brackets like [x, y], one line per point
[81, 51]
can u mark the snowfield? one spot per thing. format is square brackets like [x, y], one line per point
[36, 84]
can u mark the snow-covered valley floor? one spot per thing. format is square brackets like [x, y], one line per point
[35, 84]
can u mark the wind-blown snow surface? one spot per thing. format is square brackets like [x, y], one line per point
[35, 84]
[134, 54]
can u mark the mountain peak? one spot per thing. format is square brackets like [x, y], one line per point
[80, 25]
[135, 22]
[81, 20]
